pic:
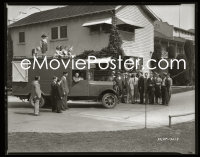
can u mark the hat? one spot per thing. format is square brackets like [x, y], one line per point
[44, 35]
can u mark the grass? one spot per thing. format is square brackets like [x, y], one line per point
[138, 140]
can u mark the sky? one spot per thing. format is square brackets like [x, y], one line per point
[168, 13]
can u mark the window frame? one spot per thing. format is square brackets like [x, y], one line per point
[59, 32]
[52, 33]
[22, 38]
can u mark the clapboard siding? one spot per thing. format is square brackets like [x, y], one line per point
[78, 36]
[143, 42]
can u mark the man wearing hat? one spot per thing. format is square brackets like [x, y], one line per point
[151, 88]
[119, 83]
[158, 82]
[141, 87]
[125, 87]
[164, 89]
[43, 44]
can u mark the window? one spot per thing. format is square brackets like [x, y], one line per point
[63, 31]
[21, 37]
[95, 28]
[54, 33]
[106, 28]
[59, 32]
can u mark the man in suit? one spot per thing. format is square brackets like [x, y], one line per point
[164, 89]
[119, 84]
[65, 87]
[145, 88]
[141, 87]
[53, 93]
[151, 88]
[59, 96]
[169, 86]
[135, 80]
[36, 94]
[158, 82]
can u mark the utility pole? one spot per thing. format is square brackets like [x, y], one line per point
[179, 18]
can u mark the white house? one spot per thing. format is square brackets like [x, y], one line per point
[87, 28]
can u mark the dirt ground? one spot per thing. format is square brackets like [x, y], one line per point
[180, 138]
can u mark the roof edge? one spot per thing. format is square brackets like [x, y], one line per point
[62, 18]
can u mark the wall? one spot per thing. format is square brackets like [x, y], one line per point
[79, 37]
[164, 28]
[143, 42]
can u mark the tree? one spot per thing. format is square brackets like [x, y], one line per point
[190, 55]
[180, 76]
[115, 43]
[171, 52]
[157, 56]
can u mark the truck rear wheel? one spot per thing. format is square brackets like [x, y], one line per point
[109, 100]
[42, 101]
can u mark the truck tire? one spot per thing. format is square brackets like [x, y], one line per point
[42, 101]
[109, 100]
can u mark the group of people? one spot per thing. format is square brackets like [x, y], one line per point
[136, 88]
[63, 51]
[59, 93]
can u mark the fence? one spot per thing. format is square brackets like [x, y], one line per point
[178, 115]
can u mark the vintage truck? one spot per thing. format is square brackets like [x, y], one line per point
[94, 86]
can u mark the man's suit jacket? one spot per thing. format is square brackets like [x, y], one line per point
[35, 89]
[141, 83]
[53, 88]
[150, 84]
[145, 84]
[58, 91]
[64, 84]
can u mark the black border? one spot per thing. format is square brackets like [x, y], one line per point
[3, 108]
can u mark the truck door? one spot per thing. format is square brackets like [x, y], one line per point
[79, 83]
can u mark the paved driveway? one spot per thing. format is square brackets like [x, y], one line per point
[87, 117]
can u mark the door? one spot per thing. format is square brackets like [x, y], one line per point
[18, 73]
[81, 87]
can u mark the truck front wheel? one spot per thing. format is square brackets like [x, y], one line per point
[109, 100]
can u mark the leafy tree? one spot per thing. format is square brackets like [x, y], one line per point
[115, 43]
[157, 56]
[190, 54]
[180, 76]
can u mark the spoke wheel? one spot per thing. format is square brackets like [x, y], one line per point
[109, 100]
